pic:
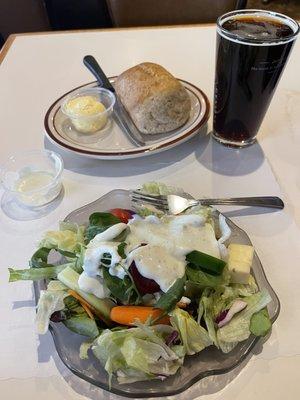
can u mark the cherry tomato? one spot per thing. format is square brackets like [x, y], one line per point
[123, 215]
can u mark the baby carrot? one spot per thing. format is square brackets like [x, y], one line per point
[127, 315]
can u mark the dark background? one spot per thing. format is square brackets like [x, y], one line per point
[18, 16]
[77, 14]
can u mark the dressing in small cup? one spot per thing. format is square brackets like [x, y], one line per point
[33, 177]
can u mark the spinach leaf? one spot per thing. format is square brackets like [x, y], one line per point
[103, 219]
[65, 253]
[169, 299]
[121, 289]
[98, 223]
[40, 257]
[121, 249]
[82, 325]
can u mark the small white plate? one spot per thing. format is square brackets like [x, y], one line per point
[113, 144]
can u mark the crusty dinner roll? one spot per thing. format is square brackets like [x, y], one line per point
[156, 101]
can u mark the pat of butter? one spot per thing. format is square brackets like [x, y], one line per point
[87, 114]
[240, 257]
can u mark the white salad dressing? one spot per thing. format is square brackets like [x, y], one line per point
[92, 285]
[111, 233]
[95, 251]
[158, 263]
[168, 240]
[180, 234]
[158, 246]
[94, 254]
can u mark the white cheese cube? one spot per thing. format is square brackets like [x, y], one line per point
[240, 257]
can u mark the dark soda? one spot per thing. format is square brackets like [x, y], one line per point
[251, 54]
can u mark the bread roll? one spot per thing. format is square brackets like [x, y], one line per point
[156, 101]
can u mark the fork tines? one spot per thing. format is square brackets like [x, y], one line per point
[158, 201]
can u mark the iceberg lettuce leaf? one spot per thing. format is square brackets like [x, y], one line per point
[36, 274]
[205, 311]
[137, 353]
[238, 329]
[193, 336]
[50, 301]
[69, 238]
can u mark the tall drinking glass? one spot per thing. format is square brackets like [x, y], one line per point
[253, 47]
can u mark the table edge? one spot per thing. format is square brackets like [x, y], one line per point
[8, 43]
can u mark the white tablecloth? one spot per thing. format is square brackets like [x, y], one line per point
[37, 70]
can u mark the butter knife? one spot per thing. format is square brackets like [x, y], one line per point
[120, 114]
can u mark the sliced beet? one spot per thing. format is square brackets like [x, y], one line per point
[144, 285]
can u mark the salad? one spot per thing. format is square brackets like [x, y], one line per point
[147, 289]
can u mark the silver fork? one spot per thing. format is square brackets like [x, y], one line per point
[174, 204]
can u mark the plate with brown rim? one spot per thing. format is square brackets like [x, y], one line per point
[112, 143]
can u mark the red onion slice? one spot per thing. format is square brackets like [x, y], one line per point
[237, 306]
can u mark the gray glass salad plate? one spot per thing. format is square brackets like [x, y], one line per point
[210, 361]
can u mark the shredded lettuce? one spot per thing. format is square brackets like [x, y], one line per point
[159, 188]
[68, 238]
[37, 274]
[137, 354]
[205, 307]
[203, 211]
[50, 300]
[238, 329]
[84, 348]
[215, 300]
[193, 336]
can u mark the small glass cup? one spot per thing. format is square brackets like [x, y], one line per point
[248, 69]
[94, 121]
[33, 177]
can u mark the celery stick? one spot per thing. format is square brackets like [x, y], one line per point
[69, 277]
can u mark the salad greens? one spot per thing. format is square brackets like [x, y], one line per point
[123, 290]
[200, 309]
[203, 279]
[68, 238]
[69, 277]
[82, 325]
[50, 301]
[168, 300]
[98, 223]
[138, 353]
[193, 336]
[238, 329]
[36, 274]
[260, 323]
